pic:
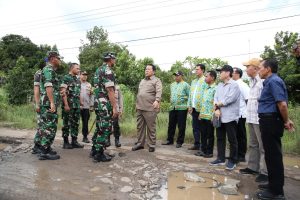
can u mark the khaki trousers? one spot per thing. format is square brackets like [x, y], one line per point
[256, 150]
[146, 120]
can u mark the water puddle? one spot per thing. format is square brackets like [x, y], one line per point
[178, 188]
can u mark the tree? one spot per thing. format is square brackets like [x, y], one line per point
[19, 82]
[288, 69]
[14, 46]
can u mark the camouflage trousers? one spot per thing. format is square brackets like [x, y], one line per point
[103, 129]
[47, 127]
[70, 122]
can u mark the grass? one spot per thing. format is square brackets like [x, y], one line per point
[23, 116]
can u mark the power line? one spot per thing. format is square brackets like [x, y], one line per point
[202, 19]
[124, 13]
[166, 16]
[198, 31]
[74, 13]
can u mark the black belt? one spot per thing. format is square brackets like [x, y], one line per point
[268, 115]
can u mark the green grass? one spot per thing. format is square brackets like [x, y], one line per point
[23, 116]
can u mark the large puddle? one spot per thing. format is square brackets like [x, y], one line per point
[178, 188]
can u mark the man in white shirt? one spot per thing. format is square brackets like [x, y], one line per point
[241, 135]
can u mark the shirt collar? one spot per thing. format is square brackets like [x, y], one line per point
[150, 78]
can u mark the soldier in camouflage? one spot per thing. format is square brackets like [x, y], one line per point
[105, 107]
[70, 90]
[49, 98]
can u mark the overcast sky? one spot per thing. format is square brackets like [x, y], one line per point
[166, 30]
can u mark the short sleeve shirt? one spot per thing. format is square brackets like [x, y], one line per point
[274, 90]
[49, 78]
[72, 85]
[37, 77]
[103, 78]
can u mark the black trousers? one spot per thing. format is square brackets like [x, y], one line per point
[196, 127]
[241, 137]
[177, 117]
[207, 136]
[272, 128]
[229, 129]
[85, 116]
[116, 127]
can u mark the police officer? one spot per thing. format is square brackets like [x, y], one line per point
[49, 98]
[70, 90]
[105, 107]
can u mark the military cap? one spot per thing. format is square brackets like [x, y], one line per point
[109, 55]
[54, 54]
[178, 73]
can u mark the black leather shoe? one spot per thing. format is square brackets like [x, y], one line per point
[267, 195]
[117, 142]
[199, 153]
[178, 145]
[151, 149]
[167, 143]
[248, 171]
[85, 140]
[263, 186]
[137, 147]
[193, 148]
[261, 178]
[209, 155]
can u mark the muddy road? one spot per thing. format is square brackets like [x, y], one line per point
[130, 175]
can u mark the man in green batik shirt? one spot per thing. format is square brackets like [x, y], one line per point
[194, 103]
[70, 90]
[180, 91]
[205, 116]
[49, 99]
[105, 107]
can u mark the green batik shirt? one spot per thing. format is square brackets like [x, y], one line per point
[49, 78]
[179, 95]
[207, 102]
[196, 93]
[103, 78]
[72, 85]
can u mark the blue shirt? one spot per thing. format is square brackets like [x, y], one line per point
[274, 90]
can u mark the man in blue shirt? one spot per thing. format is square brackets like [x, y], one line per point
[273, 118]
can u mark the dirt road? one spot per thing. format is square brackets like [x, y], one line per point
[130, 175]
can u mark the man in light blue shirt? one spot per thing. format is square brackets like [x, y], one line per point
[227, 107]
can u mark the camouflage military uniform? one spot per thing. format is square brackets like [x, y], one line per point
[104, 77]
[48, 121]
[71, 118]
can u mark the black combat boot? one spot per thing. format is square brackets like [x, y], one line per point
[101, 157]
[85, 139]
[66, 144]
[75, 144]
[107, 144]
[117, 142]
[36, 149]
[93, 152]
[46, 154]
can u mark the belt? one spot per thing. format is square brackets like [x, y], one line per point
[268, 115]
